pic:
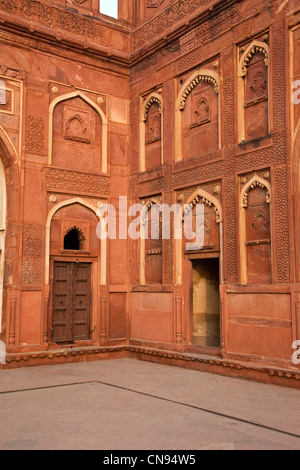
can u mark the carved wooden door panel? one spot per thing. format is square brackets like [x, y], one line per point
[81, 300]
[71, 302]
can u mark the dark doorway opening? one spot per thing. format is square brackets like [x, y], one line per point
[206, 303]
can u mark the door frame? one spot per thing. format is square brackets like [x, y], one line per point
[94, 316]
[190, 323]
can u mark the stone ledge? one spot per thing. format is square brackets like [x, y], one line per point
[202, 363]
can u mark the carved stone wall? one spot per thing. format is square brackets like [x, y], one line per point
[75, 182]
[32, 254]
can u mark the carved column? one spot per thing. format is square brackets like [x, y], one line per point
[12, 319]
[178, 320]
[45, 319]
[103, 320]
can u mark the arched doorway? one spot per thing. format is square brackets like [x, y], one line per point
[75, 254]
[296, 199]
[2, 231]
[9, 213]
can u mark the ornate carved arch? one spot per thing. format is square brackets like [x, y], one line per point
[154, 98]
[254, 48]
[78, 229]
[69, 202]
[143, 216]
[9, 169]
[147, 206]
[199, 76]
[256, 181]
[206, 198]
[211, 201]
[8, 152]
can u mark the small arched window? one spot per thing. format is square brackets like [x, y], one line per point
[74, 240]
[3, 99]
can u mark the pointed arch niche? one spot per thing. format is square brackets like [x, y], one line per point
[255, 232]
[78, 125]
[213, 204]
[296, 197]
[151, 133]
[151, 245]
[253, 91]
[198, 115]
[9, 194]
[2, 231]
[54, 210]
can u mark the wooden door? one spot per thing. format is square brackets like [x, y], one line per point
[71, 302]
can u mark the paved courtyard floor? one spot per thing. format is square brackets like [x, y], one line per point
[135, 405]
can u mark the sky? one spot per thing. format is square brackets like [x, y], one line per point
[109, 7]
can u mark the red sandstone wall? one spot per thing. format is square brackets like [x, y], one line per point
[117, 70]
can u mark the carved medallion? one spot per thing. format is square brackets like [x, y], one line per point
[154, 3]
[259, 84]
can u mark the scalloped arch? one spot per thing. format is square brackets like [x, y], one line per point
[153, 98]
[254, 48]
[207, 199]
[255, 182]
[199, 76]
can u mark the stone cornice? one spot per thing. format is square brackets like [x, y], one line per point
[44, 20]
[170, 23]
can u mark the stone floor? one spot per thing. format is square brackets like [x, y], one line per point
[135, 405]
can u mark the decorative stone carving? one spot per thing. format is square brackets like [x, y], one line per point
[55, 18]
[176, 11]
[254, 184]
[154, 3]
[149, 103]
[207, 202]
[259, 85]
[32, 241]
[35, 135]
[201, 78]
[76, 129]
[75, 182]
[201, 112]
[31, 272]
[81, 227]
[255, 48]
